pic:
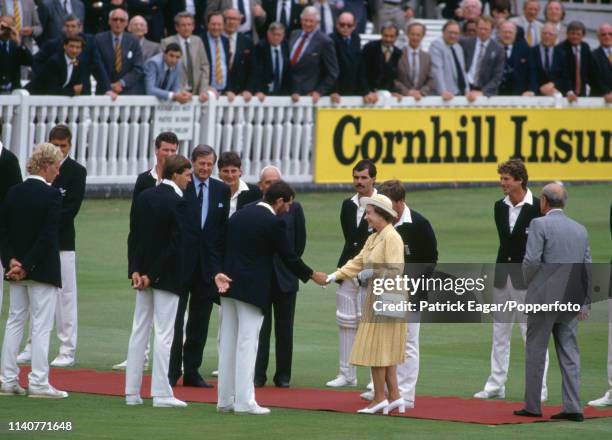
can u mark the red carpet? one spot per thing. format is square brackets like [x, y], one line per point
[491, 412]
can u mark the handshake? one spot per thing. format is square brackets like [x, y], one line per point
[223, 282]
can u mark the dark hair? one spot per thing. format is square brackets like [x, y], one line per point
[466, 23]
[393, 189]
[175, 165]
[212, 14]
[516, 168]
[60, 132]
[500, 5]
[389, 25]
[203, 150]
[366, 164]
[277, 190]
[172, 47]
[75, 39]
[560, 4]
[576, 26]
[229, 159]
[167, 137]
[72, 17]
[384, 214]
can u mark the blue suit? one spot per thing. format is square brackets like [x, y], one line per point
[131, 62]
[155, 72]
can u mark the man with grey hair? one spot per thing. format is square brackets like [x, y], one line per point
[556, 270]
[601, 84]
[529, 22]
[52, 14]
[470, 10]
[138, 27]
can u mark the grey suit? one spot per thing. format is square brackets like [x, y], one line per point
[522, 22]
[155, 72]
[52, 15]
[29, 18]
[222, 5]
[491, 67]
[424, 79]
[317, 68]
[200, 68]
[149, 49]
[555, 270]
[443, 67]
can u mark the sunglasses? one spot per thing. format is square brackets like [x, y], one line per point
[118, 19]
[345, 25]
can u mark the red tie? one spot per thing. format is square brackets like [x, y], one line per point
[577, 90]
[298, 51]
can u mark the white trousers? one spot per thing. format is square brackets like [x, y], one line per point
[155, 308]
[1, 287]
[609, 393]
[38, 300]
[66, 307]
[348, 315]
[502, 335]
[408, 372]
[240, 326]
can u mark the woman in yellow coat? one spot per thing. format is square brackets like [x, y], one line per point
[380, 341]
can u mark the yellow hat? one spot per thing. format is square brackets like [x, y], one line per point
[382, 202]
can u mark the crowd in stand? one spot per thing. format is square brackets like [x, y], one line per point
[177, 49]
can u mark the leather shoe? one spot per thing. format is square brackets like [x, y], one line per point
[197, 382]
[574, 417]
[525, 413]
[282, 383]
[259, 383]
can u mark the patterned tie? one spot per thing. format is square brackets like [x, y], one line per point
[610, 55]
[118, 61]
[218, 70]
[298, 51]
[387, 53]
[530, 34]
[17, 15]
[189, 66]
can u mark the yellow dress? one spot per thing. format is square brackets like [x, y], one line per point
[380, 341]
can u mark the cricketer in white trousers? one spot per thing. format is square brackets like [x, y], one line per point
[155, 308]
[240, 326]
[502, 335]
[609, 393]
[348, 315]
[38, 300]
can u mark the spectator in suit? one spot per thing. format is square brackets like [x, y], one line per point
[195, 66]
[554, 13]
[96, 14]
[255, 234]
[448, 63]
[328, 11]
[469, 28]
[414, 71]
[389, 12]
[283, 294]
[602, 64]
[162, 75]
[153, 12]
[156, 275]
[529, 23]
[551, 67]
[381, 58]
[360, 11]
[313, 66]
[469, 10]
[197, 9]
[351, 76]
[240, 53]
[207, 209]
[217, 50]
[500, 11]
[121, 56]
[26, 18]
[556, 269]
[254, 16]
[230, 171]
[285, 12]
[138, 27]
[89, 58]
[484, 61]
[270, 75]
[519, 73]
[13, 55]
[61, 74]
[52, 14]
[578, 56]
[29, 248]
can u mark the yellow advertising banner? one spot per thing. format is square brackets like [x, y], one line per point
[463, 145]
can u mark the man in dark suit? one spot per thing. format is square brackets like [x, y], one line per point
[551, 69]
[240, 53]
[61, 74]
[253, 15]
[29, 249]
[13, 55]
[328, 11]
[217, 50]
[52, 14]
[89, 61]
[512, 214]
[230, 171]
[197, 8]
[285, 12]
[96, 14]
[313, 66]
[207, 209]
[355, 230]
[255, 234]
[380, 58]
[270, 64]
[351, 77]
[578, 56]
[283, 293]
[519, 73]
[602, 64]
[153, 12]
[138, 27]
[121, 56]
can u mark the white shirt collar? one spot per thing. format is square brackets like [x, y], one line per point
[37, 177]
[1, 147]
[355, 198]
[153, 173]
[527, 199]
[267, 206]
[174, 186]
[242, 186]
[405, 218]
[554, 209]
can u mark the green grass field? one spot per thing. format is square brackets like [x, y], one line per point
[454, 357]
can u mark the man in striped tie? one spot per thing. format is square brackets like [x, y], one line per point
[217, 49]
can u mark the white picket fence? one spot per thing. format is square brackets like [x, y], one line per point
[114, 140]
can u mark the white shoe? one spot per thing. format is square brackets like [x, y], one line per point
[168, 402]
[62, 361]
[120, 365]
[25, 357]
[225, 409]
[215, 373]
[256, 411]
[484, 394]
[341, 381]
[544, 397]
[133, 399]
[400, 404]
[368, 395]
[381, 406]
[47, 392]
[603, 401]
[12, 389]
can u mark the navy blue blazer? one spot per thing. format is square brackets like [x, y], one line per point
[71, 183]
[586, 65]
[51, 14]
[226, 49]
[52, 77]
[352, 79]
[10, 172]
[131, 62]
[262, 70]
[519, 72]
[558, 72]
[601, 78]
[241, 67]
